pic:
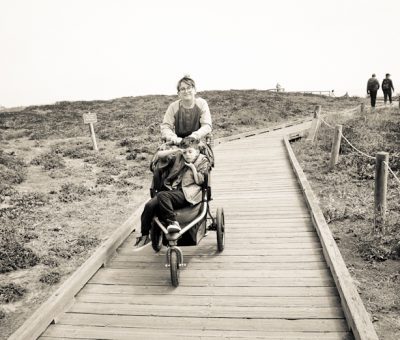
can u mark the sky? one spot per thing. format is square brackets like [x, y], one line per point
[54, 50]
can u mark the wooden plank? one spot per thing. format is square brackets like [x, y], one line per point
[211, 311]
[304, 235]
[228, 259]
[269, 241]
[195, 300]
[268, 325]
[209, 291]
[125, 333]
[212, 251]
[164, 279]
[356, 314]
[225, 273]
[272, 228]
[117, 263]
[237, 251]
[256, 244]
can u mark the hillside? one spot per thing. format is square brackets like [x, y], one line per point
[59, 199]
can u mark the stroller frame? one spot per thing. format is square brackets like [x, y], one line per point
[174, 255]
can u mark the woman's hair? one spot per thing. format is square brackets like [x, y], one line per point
[187, 80]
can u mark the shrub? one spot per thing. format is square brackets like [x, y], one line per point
[23, 203]
[11, 161]
[13, 254]
[29, 201]
[6, 191]
[77, 149]
[77, 246]
[125, 183]
[49, 161]
[110, 163]
[11, 292]
[50, 261]
[105, 180]
[50, 278]
[131, 156]
[112, 171]
[12, 168]
[71, 192]
[11, 176]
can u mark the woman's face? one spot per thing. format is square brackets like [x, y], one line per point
[186, 92]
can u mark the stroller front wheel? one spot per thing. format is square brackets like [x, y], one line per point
[174, 267]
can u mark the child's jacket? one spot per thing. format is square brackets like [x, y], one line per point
[191, 190]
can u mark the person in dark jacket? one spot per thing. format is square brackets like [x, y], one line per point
[387, 87]
[372, 88]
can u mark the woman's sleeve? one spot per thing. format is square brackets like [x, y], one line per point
[168, 123]
[205, 120]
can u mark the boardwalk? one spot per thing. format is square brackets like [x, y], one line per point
[271, 281]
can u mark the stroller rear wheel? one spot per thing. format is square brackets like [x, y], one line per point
[220, 229]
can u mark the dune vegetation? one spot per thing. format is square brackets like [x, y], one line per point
[346, 196]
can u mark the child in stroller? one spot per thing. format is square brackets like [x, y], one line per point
[176, 185]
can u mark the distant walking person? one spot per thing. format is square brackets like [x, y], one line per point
[387, 87]
[372, 88]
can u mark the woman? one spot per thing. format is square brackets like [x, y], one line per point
[189, 116]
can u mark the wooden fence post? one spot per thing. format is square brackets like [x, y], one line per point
[314, 125]
[93, 135]
[381, 177]
[362, 107]
[90, 118]
[337, 137]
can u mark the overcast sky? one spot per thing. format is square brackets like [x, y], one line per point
[52, 50]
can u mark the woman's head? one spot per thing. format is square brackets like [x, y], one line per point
[186, 88]
[186, 81]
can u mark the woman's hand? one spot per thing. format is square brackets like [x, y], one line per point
[176, 140]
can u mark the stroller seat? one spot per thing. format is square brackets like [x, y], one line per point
[186, 215]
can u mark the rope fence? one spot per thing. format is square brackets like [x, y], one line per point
[382, 167]
[359, 151]
[391, 171]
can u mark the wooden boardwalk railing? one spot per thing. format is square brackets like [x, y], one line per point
[271, 282]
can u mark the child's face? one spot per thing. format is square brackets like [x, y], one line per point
[190, 154]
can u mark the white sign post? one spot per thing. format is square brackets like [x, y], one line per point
[90, 118]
